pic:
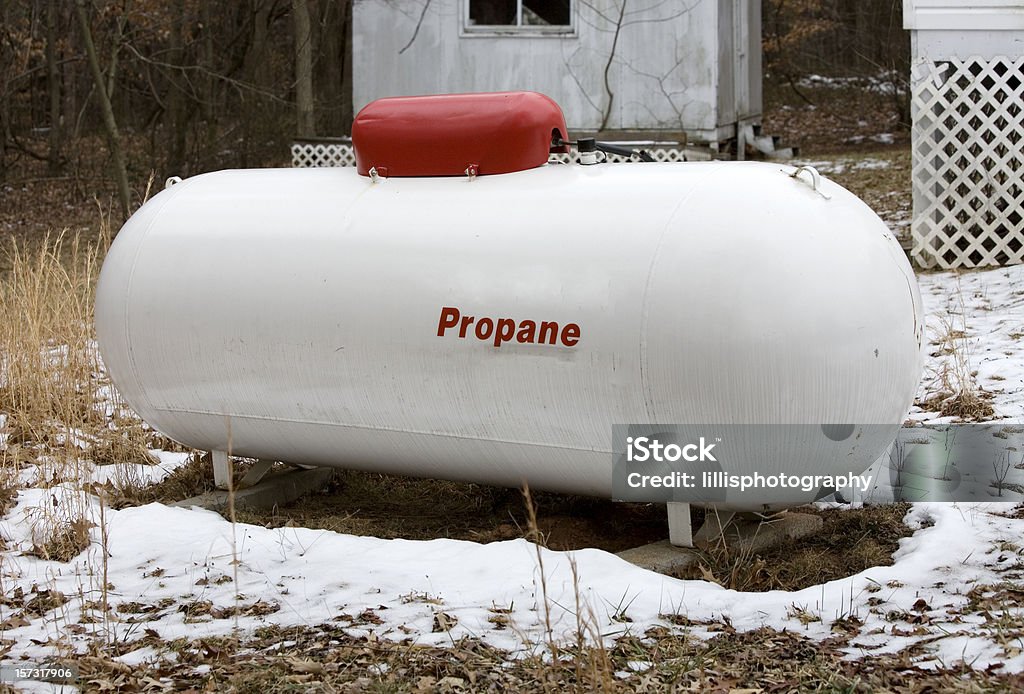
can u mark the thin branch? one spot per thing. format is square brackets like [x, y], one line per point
[576, 79]
[40, 68]
[415, 33]
[237, 84]
[608, 67]
[664, 92]
[25, 149]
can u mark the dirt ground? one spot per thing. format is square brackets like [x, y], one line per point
[831, 119]
[389, 506]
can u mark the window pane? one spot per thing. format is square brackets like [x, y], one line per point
[546, 12]
[535, 12]
[492, 12]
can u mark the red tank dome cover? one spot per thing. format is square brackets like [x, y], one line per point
[446, 134]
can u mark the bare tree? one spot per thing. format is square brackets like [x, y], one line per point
[331, 63]
[257, 73]
[206, 59]
[194, 84]
[53, 85]
[176, 96]
[109, 122]
[305, 123]
[5, 87]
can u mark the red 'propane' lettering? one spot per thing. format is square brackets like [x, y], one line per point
[525, 332]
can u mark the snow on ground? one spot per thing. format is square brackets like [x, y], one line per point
[883, 83]
[190, 573]
[121, 474]
[989, 307]
[831, 167]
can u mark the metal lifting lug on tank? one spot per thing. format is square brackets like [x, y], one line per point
[395, 317]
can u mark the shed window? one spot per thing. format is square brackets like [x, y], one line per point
[525, 16]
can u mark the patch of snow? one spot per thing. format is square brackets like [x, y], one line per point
[988, 306]
[832, 167]
[887, 83]
[317, 576]
[139, 656]
[121, 474]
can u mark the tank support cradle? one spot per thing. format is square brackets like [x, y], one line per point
[680, 526]
[223, 471]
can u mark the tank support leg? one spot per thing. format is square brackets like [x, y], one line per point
[260, 468]
[680, 531]
[713, 530]
[221, 469]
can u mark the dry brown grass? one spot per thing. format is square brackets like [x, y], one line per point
[193, 478]
[327, 658]
[60, 413]
[46, 339]
[62, 540]
[850, 541]
[9, 482]
[56, 400]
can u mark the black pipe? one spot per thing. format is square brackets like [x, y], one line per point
[588, 144]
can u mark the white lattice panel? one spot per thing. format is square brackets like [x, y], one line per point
[307, 154]
[967, 162]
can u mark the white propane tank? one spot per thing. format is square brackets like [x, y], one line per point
[321, 317]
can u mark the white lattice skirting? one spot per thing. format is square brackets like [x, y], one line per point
[307, 154]
[968, 124]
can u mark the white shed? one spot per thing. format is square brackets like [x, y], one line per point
[643, 68]
[967, 108]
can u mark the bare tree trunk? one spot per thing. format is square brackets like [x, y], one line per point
[115, 51]
[109, 122]
[53, 86]
[176, 126]
[5, 95]
[69, 75]
[257, 71]
[347, 114]
[206, 58]
[328, 66]
[208, 101]
[257, 64]
[863, 31]
[305, 124]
